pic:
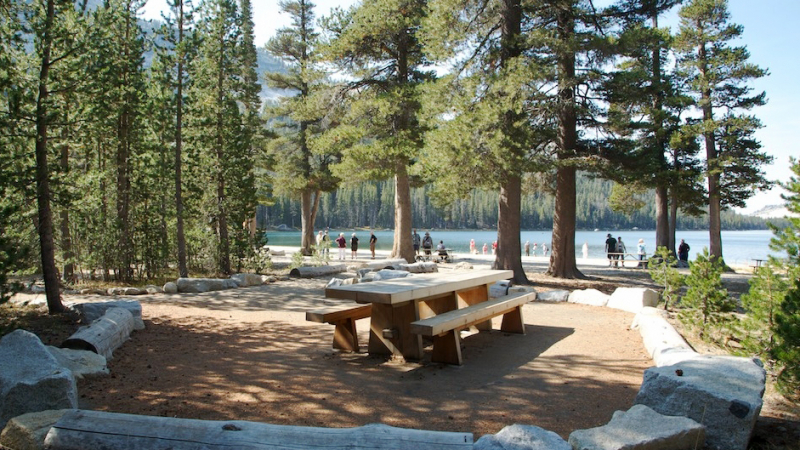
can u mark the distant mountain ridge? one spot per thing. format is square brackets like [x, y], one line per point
[772, 212]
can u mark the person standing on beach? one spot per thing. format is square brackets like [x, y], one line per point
[415, 240]
[485, 248]
[427, 244]
[353, 246]
[642, 252]
[611, 247]
[472, 246]
[326, 243]
[544, 248]
[494, 247]
[534, 248]
[372, 241]
[341, 244]
[319, 242]
[621, 251]
[683, 254]
[585, 250]
[527, 248]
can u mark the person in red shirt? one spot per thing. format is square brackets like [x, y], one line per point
[341, 242]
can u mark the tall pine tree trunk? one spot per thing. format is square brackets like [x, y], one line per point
[402, 246]
[182, 267]
[714, 200]
[307, 222]
[45, 214]
[662, 216]
[222, 219]
[562, 260]
[66, 238]
[673, 221]
[662, 196]
[124, 124]
[509, 255]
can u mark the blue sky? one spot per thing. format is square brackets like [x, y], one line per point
[771, 34]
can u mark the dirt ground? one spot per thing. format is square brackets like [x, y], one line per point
[249, 354]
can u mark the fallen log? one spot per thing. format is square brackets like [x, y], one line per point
[385, 264]
[105, 334]
[96, 430]
[316, 271]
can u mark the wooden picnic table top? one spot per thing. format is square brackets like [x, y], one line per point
[401, 290]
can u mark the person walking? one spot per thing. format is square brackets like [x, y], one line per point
[527, 248]
[611, 248]
[621, 251]
[326, 243]
[683, 254]
[415, 240]
[341, 243]
[427, 244]
[353, 246]
[641, 250]
[372, 240]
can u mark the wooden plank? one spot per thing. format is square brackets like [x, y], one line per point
[95, 430]
[416, 287]
[447, 348]
[345, 336]
[462, 318]
[381, 320]
[337, 313]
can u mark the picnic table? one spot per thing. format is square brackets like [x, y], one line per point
[397, 303]
[759, 263]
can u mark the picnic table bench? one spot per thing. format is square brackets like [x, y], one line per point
[396, 303]
[445, 328]
[345, 336]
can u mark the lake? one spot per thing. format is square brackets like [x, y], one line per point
[738, 247]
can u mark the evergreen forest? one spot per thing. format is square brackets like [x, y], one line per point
[371, 205]
[134, 150]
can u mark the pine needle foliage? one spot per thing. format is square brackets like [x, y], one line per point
[706, 302]
[662, 271]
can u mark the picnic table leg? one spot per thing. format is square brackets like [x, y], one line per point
[345, 336]
[472, 296]
[397, 319]
[512, 321]
[447, 348]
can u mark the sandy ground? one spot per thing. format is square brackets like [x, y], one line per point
[249, 354]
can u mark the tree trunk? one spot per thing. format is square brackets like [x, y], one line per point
[402, 246]
[45, 215]
[662, 216]
[123, 174]
[307, 223]
[562, 260]
[182, 267]
[714, 202]
[673, 221]
[509, 256]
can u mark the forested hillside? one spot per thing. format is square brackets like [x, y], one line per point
[371, 204]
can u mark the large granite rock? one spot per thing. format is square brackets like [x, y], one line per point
[463, 265]
[31, 379]
[633, 299]
[126, 291]
[724, 393]
[198, 285]
[522, 437]
[247, 279]
[170, 288]
[92, 311]
[641, 428]
[591, 297]
[105, 334]
[556, 295]
[27, 432]
[80, 362]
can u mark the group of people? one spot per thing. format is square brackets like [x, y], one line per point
[615, 252]
[323, 243]
[532, 251]
[427, 245]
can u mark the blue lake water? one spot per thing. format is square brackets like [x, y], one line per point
[738, 247]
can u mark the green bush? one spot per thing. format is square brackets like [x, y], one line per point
[706, 303]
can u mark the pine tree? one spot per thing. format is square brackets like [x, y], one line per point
[762, 303]
[706, 302]
[376, 44]
[717, 74]
[302, 117]
[787, 350]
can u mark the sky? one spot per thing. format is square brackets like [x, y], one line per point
[771, 34]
